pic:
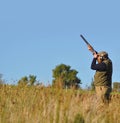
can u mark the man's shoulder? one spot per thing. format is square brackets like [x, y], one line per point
[107, 61]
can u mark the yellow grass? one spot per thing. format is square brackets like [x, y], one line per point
[51, 105]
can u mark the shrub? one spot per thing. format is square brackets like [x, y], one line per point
[79, 119]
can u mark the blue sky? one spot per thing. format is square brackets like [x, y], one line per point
[37, 35]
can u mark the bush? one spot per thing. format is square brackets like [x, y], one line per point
[79, 119]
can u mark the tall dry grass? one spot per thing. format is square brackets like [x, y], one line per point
[51, 105]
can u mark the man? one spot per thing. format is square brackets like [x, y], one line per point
[103, 76]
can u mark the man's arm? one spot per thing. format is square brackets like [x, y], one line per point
[100, 67]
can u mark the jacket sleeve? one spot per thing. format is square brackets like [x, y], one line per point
[100, 66]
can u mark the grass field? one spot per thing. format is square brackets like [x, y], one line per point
[33, 104]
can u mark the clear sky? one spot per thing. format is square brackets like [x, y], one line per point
[37, 35]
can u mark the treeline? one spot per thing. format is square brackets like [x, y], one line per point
[116, 86]
[63, 77]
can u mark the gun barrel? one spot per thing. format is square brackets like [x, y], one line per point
[84, 39]
[92, 49]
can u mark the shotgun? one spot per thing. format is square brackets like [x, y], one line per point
[88, 44]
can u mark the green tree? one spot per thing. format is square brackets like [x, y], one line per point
[64, 76]
[116, 86]
[23, 81]
[31, 80]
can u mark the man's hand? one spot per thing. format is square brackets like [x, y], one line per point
[95, 55]
[90, 48]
